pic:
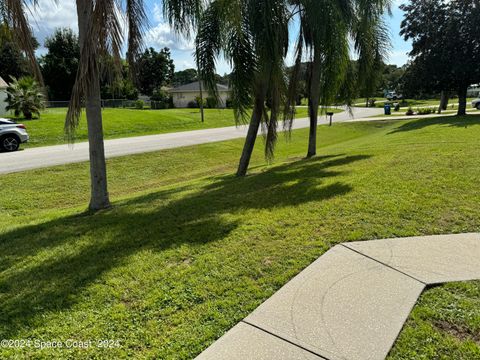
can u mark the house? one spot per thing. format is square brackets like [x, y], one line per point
[186, 94]
[3, 97]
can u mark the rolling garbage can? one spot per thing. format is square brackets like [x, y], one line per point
[388, 109]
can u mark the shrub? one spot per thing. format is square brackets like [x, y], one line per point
[25, 97]
[425, 111]
[211, 102]
[192, 105]
[161, 100]
[139, 104]
[410, 112]
[371, 102]
[199, 101]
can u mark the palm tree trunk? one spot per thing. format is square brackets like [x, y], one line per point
[462, 101]
[98, 169]
[312, 137]
[313, 103]
[251, 136]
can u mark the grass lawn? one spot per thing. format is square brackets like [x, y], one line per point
[189, 250]
[445, 324]
[119, 123]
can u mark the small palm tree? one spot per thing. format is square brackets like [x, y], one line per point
[25, 97]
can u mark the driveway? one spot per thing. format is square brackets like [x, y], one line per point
[42, 157]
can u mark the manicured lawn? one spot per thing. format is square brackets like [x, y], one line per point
[118, 123]
[188, 250]
[445, 324]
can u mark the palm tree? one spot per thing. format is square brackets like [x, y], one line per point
[325, 30]
[100, 34]
[25, 97]
[326, 27]
[253, 36]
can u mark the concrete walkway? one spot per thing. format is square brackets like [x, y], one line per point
[352, 302]
[63, 154]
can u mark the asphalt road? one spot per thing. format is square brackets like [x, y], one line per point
[42, 157]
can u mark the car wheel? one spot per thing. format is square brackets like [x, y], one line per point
[478, 106]
[9, 143]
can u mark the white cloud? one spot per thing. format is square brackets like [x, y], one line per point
[48, 15]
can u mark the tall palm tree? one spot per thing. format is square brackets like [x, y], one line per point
[325, 30]
[100, 34]
[253, 36]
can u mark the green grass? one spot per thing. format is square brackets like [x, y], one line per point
[189, 250]
[445, 324]
[118, 123]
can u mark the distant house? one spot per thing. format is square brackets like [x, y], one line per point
[3, 96]
[185, 94]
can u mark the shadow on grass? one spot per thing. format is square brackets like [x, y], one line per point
[454, 121]
[43, 268]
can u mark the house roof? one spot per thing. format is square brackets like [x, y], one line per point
[3, 84]
[195, 86]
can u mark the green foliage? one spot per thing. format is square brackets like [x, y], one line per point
[425, 111]
[445, 41]
[211, 102]
[12, 61]
[25, 97]
[139, 104]
[155, 70]
[184, 77]
[59, 66]
[161, 100]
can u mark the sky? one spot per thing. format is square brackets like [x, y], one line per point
[50, 15]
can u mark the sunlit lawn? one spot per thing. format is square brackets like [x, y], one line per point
[189, 250]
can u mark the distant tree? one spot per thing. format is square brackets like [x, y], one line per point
[184, 77]
[118, 85]
[445, 54]
[59, 66]
[24, 96]
[155, 69]
[391, 77]
[12, 60]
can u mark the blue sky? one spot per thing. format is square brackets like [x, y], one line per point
[49, 16]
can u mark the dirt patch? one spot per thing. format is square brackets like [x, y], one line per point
[460, 332]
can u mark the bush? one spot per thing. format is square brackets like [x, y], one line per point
[410, 112]
[425, 111]
[211, 102]
[192, 105]
[161, 100]
[139, 104]
[199, 101]
[371, 102]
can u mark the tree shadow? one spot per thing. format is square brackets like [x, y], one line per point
[43, 267]
[452, 121]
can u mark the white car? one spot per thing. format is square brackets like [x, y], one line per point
[476, 104]
[393, 96]
[12, 135]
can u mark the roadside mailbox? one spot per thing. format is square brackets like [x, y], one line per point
[330, 114]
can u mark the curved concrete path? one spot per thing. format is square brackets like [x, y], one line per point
[352, 302]
[41, 157]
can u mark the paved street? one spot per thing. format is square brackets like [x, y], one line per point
[63, 154]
